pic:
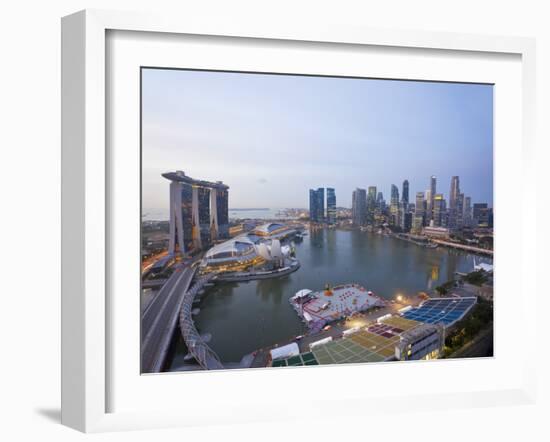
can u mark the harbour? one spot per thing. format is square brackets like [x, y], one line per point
[243, 317]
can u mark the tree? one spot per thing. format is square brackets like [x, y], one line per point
[477, 277]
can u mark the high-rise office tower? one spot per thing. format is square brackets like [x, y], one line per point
[312, 205]
[359, 207]
[440, 211]
[453, 198]
[429, 207]
[433, 191]
[467, 212]
[400, 220]
[394, 206]
[481, 214]
[394, 199]
[371, 204]
[381, 203]
[317, 205]
[405, 194]
[407, 221]
[331, 205]
[460, 211]
[420, 208]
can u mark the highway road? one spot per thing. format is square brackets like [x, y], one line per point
[160, 319]
[481, 346]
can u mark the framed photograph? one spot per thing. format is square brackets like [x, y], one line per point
[251, 214]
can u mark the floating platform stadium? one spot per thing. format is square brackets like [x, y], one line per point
[319, 308]
[417, 333]
[389, 339]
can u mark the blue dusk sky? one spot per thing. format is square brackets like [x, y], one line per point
[273, 137]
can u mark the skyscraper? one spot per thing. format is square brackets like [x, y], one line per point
[331, 205]
[394, 206]
[312, 204]
[453, 201]
[194, 205]
[407, 222]
[460, 211]
[467, 212]
[405, 194]
[394, 199]
[380, 203]
[433, 191]
[440, 211]
[371, 204]
[222, 203]
[420, 209]
[359, 207]
[204, 214]
[429, 207]
[317, 205]
[481, 214]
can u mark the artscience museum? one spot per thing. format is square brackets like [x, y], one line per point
[259, 249]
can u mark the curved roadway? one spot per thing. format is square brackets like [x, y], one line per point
[159, 320]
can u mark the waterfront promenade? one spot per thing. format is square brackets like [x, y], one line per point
[463, 247]
[387, 266]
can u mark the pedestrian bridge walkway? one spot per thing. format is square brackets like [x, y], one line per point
[202, 353]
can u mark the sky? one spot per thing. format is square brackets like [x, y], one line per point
[273, 137]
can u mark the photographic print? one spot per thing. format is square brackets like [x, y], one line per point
[299, 220]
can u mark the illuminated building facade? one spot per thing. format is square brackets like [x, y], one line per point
[331, 205]
[395, 213]
[359, 207]
[453, 202]
[261, 247]
[317, 205]
[405, 194]
[371, 204]
[439, 211]
[430, 198]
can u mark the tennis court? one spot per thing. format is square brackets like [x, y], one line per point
[296, 361]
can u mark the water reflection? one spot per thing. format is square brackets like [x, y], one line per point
[243, 317]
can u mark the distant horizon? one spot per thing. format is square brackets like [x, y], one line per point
[274, 137]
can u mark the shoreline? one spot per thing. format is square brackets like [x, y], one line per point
[260, 275]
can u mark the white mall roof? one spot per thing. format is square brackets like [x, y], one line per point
[231, 245]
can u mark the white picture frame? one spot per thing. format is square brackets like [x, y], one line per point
[86, 317]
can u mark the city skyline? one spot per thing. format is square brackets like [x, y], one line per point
[383, 132]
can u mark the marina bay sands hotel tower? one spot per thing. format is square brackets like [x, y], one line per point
[199, 212]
